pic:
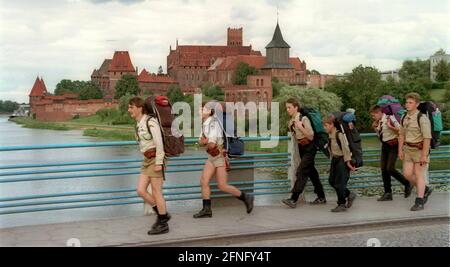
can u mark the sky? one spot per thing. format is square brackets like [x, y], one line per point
[67, 39]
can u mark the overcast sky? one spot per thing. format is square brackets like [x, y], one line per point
[67, 39]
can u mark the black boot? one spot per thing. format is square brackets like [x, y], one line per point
[418, 205]
[386, 197]
[248, 201]
[206, 212]
[161, 227]
[408, 190]
[155, 208]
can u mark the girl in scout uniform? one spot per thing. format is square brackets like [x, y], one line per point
[414, 148]
[217, 163]
[301, 128]
[148, 135]
[341, 158]
[387, 130]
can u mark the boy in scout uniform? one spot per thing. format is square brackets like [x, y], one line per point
[414, 148]
[148, 135]
[387, 129]
[341, 158]
[300, 127]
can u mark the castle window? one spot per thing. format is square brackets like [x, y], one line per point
[257, 82]
[262, 82]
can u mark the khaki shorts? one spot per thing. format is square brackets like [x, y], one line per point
[148, 166]
[217, 161]
[413, 154]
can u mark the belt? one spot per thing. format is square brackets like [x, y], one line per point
[416, 145]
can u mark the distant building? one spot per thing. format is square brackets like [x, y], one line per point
[155, 83]
[435, 59]
[111, 71]
[394, 74]
[319, 80]
[47, 107]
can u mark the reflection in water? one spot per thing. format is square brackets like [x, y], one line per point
[13, 134]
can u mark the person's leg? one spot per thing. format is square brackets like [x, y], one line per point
[142, 191]
[208, 172]
[384, 168]
[157, 191]
[342, 176]
[314, 175]
[222, 183]
[408, 172]
[392, 160]
[336, 181]
[420, 179]
[302, 175]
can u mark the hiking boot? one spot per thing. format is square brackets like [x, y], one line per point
[206, 212]
[339, 208]
[428, 191]
[318, 201]
[249, 199]
[408, 190]
[386, 197]
[350, 200]
[418, 205]
[290, 203]
[161, 228]
[158, 220]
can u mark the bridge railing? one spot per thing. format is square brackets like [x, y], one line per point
[75, 170]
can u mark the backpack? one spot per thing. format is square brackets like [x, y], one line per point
[234, 145]
[320, 135]
[345, 123]
[430, 109]
[391, 106]
[173, 144]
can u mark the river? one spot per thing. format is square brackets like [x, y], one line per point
[13, 134]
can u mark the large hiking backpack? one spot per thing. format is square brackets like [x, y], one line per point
[345, 123]
[391, 106]
[430, 109]
[320, 135]
[162, 111]
[233, 144]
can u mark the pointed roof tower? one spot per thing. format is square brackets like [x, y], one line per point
[39, 88]
[277, 39]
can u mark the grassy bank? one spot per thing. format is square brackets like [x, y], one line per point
[34, 124]
[110, 134]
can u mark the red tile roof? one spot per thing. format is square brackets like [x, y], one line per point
[39, 88]
[121, 62]
[296, 62]
[146, 77]
[231, 62]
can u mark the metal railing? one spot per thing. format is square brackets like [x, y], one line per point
[15, 173]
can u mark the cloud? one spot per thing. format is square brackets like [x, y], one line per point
[68, 39]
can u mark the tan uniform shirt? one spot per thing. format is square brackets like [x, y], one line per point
[149, 140]
[412, 132]
[383, 128]
[335, 150]
[213, 131]
[306, 124]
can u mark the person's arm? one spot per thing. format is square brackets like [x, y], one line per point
[346, 151]
[157, 139]
[392, 126]
[401, 142]
[426, 133]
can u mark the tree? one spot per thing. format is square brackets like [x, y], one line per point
[8, 106]
[442, 70]
[276, 87]
[160, 70]
[175, 94]
[440, 52]
[66, 86]
[325, 102]
[413, 70]
[213, 92]
[90, 91]
[242, 71]
[128, 84]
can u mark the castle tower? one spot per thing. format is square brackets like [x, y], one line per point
[277, 52]
[234, 37]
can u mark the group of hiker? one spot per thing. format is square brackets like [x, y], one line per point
[407, 134]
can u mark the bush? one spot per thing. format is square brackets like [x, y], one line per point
[122, 120]
[108, 113]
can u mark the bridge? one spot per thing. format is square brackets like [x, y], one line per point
[230, 225]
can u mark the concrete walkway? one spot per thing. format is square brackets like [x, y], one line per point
[227, 222]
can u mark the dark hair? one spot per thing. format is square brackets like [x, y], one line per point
[375, 108]
[212, 106]
[293, 102]
[139, 103]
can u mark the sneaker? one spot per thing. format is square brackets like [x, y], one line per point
[428, 191]
[386, 197]
[290, 203]
[339, 208]
[408, 190]
[249, 199]
[350, 200]
[418, 205]
[318, 201]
